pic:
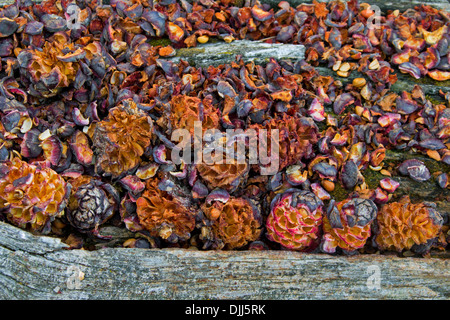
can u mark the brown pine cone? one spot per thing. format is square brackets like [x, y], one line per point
[91, 203]
[163, 214]
[122, 139]
[233, 224]
[401, 225]
[31, 195]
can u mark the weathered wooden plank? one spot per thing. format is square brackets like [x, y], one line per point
[214, 54]
[218, 53]
[27, 273]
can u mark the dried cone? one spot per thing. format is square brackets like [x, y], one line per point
[45, 62]
[164, 215]
[295, 219]
[187, 110]
[401, 225]
[55, 66]
[234, 223]
[296, 138]
[347, 225]
[122, 139]
[30, 195]
[228, 176]
[91, 203]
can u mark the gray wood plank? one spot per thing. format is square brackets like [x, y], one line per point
[27, 273]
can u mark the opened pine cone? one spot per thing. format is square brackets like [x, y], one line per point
[55, 66]
[31, 195]
[234, 223]
[122, 139]
[188, 110]
[163, 215]
[295, 220]
[401, 225]
[296, 138]
[228, 175]
[347, 225]
[91, 203]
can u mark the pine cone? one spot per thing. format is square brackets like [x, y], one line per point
[187, 110]
[401, 225]
[91, 203]
[163, 214]
[234, 223]
[295, 219]
[347, 225]
[225, 176]
[52, 67]
[122, 139]
[31, 195]
[296, 138]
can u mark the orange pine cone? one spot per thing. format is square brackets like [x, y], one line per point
[163, 215]
[296, 138]
[403, 224]
[30, 195]
[122, 139]
[55, 66]
[234, 223]
[187, 110]
[228, 176]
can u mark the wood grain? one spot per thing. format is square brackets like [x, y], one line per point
[40, 268]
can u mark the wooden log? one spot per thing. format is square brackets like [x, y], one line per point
[214, 54]
[40, 268]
